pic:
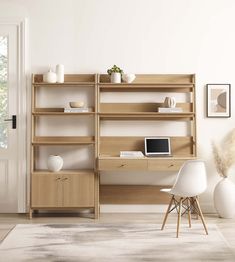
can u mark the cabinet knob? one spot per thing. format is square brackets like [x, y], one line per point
[58, 178]
[171, 165]
[122, 165]
[64, 179]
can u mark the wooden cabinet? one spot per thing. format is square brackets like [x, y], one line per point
[73, 188]
[63, 190]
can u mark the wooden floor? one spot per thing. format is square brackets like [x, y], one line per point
[8, 221]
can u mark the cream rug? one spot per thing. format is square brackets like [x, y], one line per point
[113, 242]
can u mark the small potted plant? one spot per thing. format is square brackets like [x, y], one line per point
[115, 72]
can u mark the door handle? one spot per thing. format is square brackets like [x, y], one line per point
[13, 120]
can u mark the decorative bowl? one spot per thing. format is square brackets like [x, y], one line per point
[77, 104]
[128, 78]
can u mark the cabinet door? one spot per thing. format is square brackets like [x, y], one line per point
[46, 190]
[78, 190]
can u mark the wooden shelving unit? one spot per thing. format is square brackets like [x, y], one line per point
[183, 147]
[66, 189]
[79, 188]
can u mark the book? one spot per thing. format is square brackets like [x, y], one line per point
[78, 110]
[170, 110]
[131, 154]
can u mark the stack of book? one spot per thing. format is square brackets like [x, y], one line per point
[78, 110]
[170, 110]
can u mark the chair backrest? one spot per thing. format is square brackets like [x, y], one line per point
[191, 179]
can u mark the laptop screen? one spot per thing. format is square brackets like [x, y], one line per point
[157, 146]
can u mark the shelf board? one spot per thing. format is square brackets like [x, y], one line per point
[63, 140]
[146, 115]
[65, 84]
[176, 157]
[57, 111]
[143, 87]
[64, 172]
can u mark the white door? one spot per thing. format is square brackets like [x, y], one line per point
[9, 116]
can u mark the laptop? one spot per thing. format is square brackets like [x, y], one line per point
[157, 146]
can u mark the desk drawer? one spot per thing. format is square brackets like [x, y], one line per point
[165, 164]
[123, 164]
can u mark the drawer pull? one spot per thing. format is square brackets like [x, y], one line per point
[64, 179]
[58, 178]
[122, 165]
[171, 165]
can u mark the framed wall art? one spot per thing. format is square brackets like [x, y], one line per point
[218, 100]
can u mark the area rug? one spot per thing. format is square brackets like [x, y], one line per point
[113, 242]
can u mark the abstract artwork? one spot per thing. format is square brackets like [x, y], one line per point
[218, 100]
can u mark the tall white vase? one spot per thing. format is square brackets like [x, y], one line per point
[60, 73]
[55, 163]
[224, 198]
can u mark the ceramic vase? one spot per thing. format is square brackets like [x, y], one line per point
[60, 73]
[55, 163]
[224, 198]
[116, 78]
[49, 77]
[169, 102]
[128, 78]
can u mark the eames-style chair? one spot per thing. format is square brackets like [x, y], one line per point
[190, 183]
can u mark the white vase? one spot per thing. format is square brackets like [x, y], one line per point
[116, 78]
[128, 78]
[169, 102]
[49, 77]
[224, 198]
[55, 163]
[60, 73]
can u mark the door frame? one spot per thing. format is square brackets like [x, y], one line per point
[23, 107]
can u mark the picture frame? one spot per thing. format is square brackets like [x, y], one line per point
[218, 100]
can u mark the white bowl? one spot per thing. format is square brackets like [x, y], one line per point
[76, 104]
[128, 78]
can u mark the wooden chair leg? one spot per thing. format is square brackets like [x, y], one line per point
[179, 218]
[201, 215]
[189, 212]
[167, 212]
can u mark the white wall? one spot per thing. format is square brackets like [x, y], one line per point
[141, 36]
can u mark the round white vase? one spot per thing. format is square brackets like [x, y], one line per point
[116, 78]
[55, 163]
[224, 198]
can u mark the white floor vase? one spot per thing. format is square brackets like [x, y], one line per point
[224, 198]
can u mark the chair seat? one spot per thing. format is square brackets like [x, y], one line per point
[167, 190]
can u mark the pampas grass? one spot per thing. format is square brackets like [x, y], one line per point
[224, 156]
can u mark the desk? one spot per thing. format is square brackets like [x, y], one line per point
[141, 164]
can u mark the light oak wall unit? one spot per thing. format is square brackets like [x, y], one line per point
[109, 146]
[68, 189]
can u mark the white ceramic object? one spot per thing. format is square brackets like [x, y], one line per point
[55, 163]
[60, 73]
[128, 78]
[77, 104]
[170, 102]
[224, 198]
[49, 77]
[116, 78]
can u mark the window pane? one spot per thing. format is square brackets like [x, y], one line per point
[3, 91]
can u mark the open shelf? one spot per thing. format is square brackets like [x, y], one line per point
[69, 80]
[146, 116]
[58, 111]
[63, 140]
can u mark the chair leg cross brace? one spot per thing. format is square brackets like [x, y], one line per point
[189, 204]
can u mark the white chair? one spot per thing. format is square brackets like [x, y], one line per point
[190, 183]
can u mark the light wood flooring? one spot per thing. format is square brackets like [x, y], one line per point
[8, 221]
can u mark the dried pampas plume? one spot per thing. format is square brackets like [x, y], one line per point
[224, 157]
